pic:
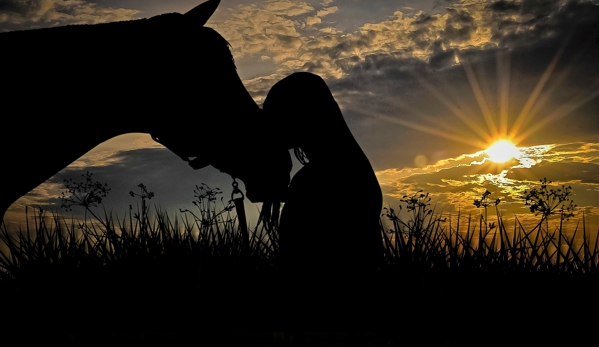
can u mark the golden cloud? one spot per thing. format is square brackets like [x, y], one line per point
[327, 11]
[269, 30]
[288, 8]
[310, 21]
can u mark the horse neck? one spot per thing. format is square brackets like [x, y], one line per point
[89, 130]
[52, 144]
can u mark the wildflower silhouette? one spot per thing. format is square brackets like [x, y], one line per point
[85, 194]
[206, 203]
[144, 192]
[143, 196]
[546, 201]
[485, 202]
[417, 206]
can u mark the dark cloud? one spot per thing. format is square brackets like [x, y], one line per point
[572, 23]
[286, 41]
[423, 30]
[504, 6]
[31, 14]
[354, 43]
[459, 26]
[441, 58]
[17, 7]
[562, 171]
[424, 19]
[539, 8]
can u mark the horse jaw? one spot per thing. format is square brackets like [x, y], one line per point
[201, 13]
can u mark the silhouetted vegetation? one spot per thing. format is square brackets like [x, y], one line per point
[149, 267]
[480, 245]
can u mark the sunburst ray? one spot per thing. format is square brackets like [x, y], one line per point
[480, 98]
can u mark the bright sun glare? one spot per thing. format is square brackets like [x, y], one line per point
[502, 151]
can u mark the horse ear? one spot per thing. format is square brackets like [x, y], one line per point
[201, 13]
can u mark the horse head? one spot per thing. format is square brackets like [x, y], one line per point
[169, 76]
[248, 154]
[226, 129]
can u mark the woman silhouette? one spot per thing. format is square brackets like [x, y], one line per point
[330, 222]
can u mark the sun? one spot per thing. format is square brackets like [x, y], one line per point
[502, 151]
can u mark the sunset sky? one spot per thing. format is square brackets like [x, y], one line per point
[425, 87]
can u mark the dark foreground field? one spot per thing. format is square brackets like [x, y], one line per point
[405, 308]
[195, 280]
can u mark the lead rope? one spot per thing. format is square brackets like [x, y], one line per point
[237, 197]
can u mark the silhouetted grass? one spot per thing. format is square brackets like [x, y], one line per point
[434, 242]
[142, 243]
[154, 274]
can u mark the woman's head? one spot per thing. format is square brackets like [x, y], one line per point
[303, 113]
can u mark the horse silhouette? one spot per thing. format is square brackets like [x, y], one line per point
[73, 87]
[330, 222]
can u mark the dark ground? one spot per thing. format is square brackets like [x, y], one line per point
[409, 309]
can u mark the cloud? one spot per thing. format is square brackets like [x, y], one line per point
[266, 30]
[20, 15]
[330, 52]
[330, 30]
[504, 7]
[287, 8]
[472, 29]
[327, 11]
[311, 21]
[455, 183]
[459, 26]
